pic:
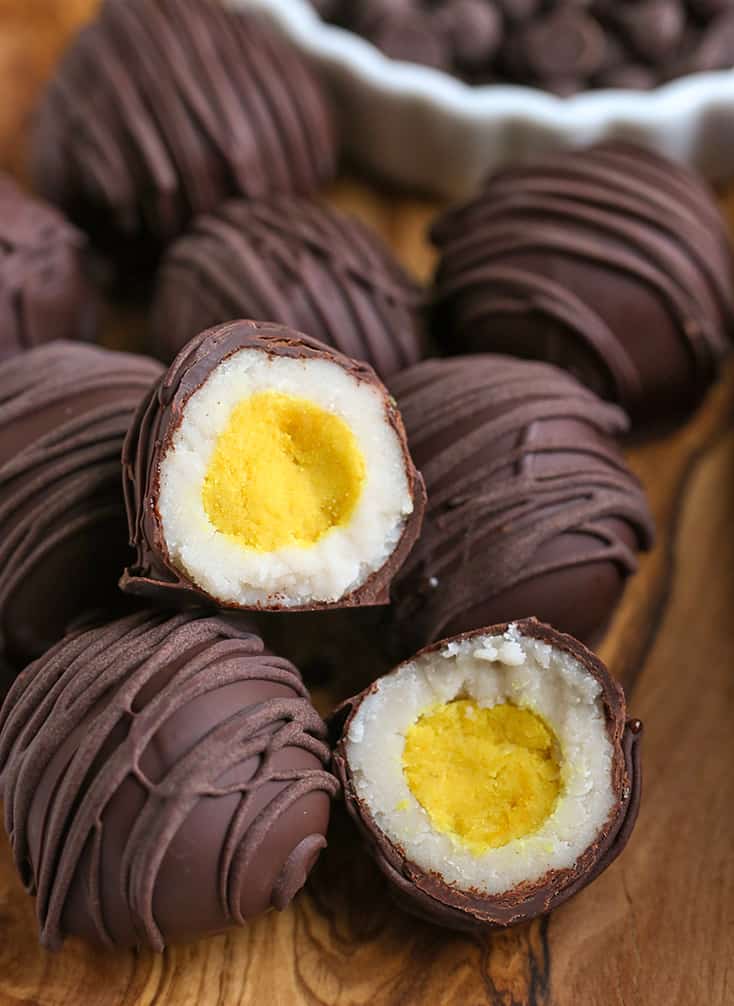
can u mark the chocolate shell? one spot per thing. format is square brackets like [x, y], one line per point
[64, 412]
[294, 262]
[532, 510]
[44, 293]
[163, 778]
[161, 111]
[611, 262]
[426, 894]
[154, 573]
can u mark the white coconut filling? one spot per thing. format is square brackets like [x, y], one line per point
[492, 670]
[346, 556]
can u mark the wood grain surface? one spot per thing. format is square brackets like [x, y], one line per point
[657, 929]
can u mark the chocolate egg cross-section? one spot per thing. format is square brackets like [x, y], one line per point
[611, 262]
[44, 292]
[267, 471]
[493, 775]
[532, 510]
[292, 261]
[64, 412]
[163, 778]
[159, 111]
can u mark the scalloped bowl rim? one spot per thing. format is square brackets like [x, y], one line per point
[476, 102]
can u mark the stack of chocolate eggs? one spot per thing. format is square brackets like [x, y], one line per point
[151, 519]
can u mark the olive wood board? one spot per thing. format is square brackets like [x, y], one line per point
[657, 929]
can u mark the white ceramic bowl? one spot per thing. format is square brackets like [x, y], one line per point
[422, 128]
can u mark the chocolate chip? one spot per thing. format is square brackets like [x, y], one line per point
[519, 10]
[326, 8]
[369, 15]
[410, 36]
[715, 48]
[654, 29]
[628, 76]
[567, 44]
[473, 29]
[710, 8]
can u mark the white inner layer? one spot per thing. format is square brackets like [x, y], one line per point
[492, 670]
[346, 556]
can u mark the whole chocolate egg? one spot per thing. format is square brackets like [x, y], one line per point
[44, 291]
[532, 510]
[64, 412]
[159, 111]
[612, 262]
[295, 262]
[164, 777]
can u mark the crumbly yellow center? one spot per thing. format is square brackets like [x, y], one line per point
[283, 472]
[484, 776]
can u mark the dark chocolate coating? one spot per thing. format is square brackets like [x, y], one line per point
[163, 778]
[565, 44]
[611, 262]
[433, 900]
[7, 676]
[715, 45]
[153, 574]
[159, 111]
[294, 262]
[652, 29]
[44, 293]
[475, 31]
[532, 510]
[64, 412]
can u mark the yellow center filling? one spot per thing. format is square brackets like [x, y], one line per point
[283, 472]
[484, 776]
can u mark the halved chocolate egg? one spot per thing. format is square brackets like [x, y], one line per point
[268, 471]
[493, 775]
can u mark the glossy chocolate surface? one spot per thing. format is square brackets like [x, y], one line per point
[295, 262]
[611, 262]
[163, 778]
[64, 412]
[532, 510]
[160, 111]
[44, 292]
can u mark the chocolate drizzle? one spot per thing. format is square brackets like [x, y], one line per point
[64, 411]
[427, 895]
[295, 262]
[525, 486]
[160, 111]
[44, 293]
[153, 574]
[189, 711]
[611, 262]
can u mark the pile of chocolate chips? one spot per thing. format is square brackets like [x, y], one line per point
[562, 46]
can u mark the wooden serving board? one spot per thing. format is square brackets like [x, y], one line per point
[657, 929]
